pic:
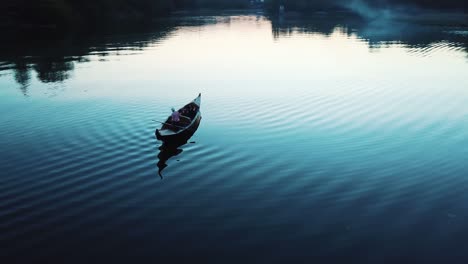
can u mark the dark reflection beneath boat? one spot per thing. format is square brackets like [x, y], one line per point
[167, 151]
[173, 148]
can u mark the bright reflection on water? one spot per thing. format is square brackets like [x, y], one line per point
[329, 138]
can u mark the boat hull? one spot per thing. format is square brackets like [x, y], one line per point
[181, 137]
[168, 135]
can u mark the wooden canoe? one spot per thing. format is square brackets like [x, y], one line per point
[173, 132]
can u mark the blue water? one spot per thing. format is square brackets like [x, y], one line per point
[320, 142]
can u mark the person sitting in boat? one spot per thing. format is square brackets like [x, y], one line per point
[175, 117]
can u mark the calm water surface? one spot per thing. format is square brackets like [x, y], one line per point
[326, 139]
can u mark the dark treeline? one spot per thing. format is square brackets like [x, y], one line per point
[305, 5]
[218, 4]
[88, 14]
[63, 14]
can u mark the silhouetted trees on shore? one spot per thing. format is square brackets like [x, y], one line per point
[308, 5]
[87, 13]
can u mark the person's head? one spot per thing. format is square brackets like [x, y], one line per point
[173, 110]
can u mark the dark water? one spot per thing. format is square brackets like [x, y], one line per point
[330, 139]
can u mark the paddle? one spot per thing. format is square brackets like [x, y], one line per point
[168, 124]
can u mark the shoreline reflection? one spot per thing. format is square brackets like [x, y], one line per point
[53, 59]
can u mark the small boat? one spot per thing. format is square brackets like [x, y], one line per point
[175, 132]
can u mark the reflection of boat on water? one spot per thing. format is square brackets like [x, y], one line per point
[171, 149]
[173, 133]
[165, 153]
[175, 136]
